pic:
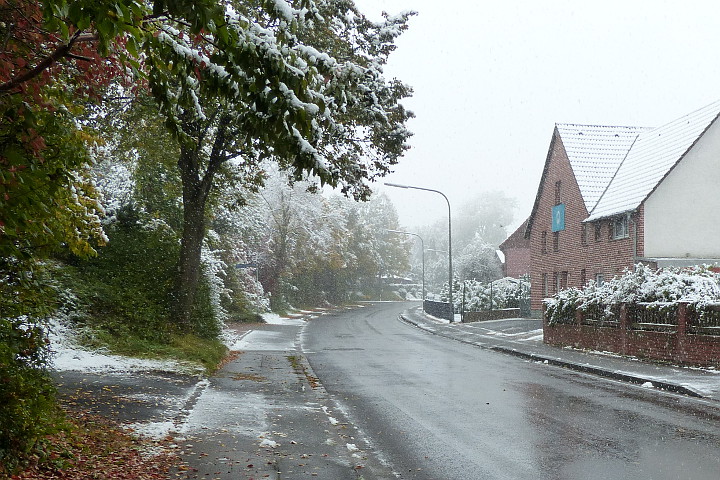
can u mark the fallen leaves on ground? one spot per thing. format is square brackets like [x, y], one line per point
[94, 448]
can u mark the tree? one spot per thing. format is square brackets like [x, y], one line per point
[478, 228]
[316, 248]
[326, 112]
[300, 82]
[47, 202]
[479, 261]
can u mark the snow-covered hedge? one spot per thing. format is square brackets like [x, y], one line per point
[697, 286]
[503, 293]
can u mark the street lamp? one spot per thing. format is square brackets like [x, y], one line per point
[422, 246]
[450, 275]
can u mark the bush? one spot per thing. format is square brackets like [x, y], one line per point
[126, 291]
[27, 398]
[122, 300]
[503, 293]
[696, 286]
[29, 411]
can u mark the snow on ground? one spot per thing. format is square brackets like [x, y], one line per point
[436, 319]
[275, 319]
[211, 411]
[705, 382]
[69, 356]
[266, 340]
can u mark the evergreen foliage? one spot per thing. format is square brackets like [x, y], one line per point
[126, 291]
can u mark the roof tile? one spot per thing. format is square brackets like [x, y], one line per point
[650, 158]
[595, 153]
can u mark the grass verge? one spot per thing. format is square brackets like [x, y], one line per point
[182, 347]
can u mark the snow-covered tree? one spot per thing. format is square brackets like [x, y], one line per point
[308, 93]
[479, 226]
[299, 82]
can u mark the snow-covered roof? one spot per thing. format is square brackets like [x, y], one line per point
[595, 153]
[650, 158]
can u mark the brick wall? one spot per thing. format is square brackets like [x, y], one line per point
[485, 315]
[517, 262]
[568, 260]
[676, 346]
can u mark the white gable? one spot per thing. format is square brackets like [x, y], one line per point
[595, 153]
[650, 158]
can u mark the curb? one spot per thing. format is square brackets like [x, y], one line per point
[583, 368]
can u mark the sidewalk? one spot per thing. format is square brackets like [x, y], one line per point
[523, 338]
[265, 416]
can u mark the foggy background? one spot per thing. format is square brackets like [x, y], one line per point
[491, 79]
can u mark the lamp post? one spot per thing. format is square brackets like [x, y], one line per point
[450, 275]
[422, 246]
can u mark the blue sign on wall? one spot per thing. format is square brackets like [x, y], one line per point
[558, 217]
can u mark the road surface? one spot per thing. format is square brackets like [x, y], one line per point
[433, 408]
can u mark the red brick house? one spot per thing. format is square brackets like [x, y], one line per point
[516, 249]
[610, 197]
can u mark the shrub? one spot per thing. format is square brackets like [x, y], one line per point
[697, 286]
[29, 411]
[126, 291]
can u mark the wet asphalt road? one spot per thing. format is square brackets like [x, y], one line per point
[434, 408]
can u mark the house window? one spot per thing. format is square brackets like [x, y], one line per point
[599, 279]
[545, 285]
[583, 277]
[558, 187]
[583, 234]
[556, 241]
[544, 242]
[620, 227]
[598, 231]
[563, 280]
[556, 282]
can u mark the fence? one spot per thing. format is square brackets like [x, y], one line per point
[676, 332]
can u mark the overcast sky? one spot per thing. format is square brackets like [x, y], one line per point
[491, 79]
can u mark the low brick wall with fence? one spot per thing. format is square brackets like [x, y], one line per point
[491, 315]
[669, 332]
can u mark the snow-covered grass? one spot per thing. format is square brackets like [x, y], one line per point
[68, 355]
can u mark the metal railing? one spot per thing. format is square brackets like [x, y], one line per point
[653, 316]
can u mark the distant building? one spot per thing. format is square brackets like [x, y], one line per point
[611, 197]
[516, 249]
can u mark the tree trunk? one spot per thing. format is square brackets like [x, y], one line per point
[195, 194]
[190, 257]
[196, 190]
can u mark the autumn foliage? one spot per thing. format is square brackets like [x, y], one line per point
[48, 75]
